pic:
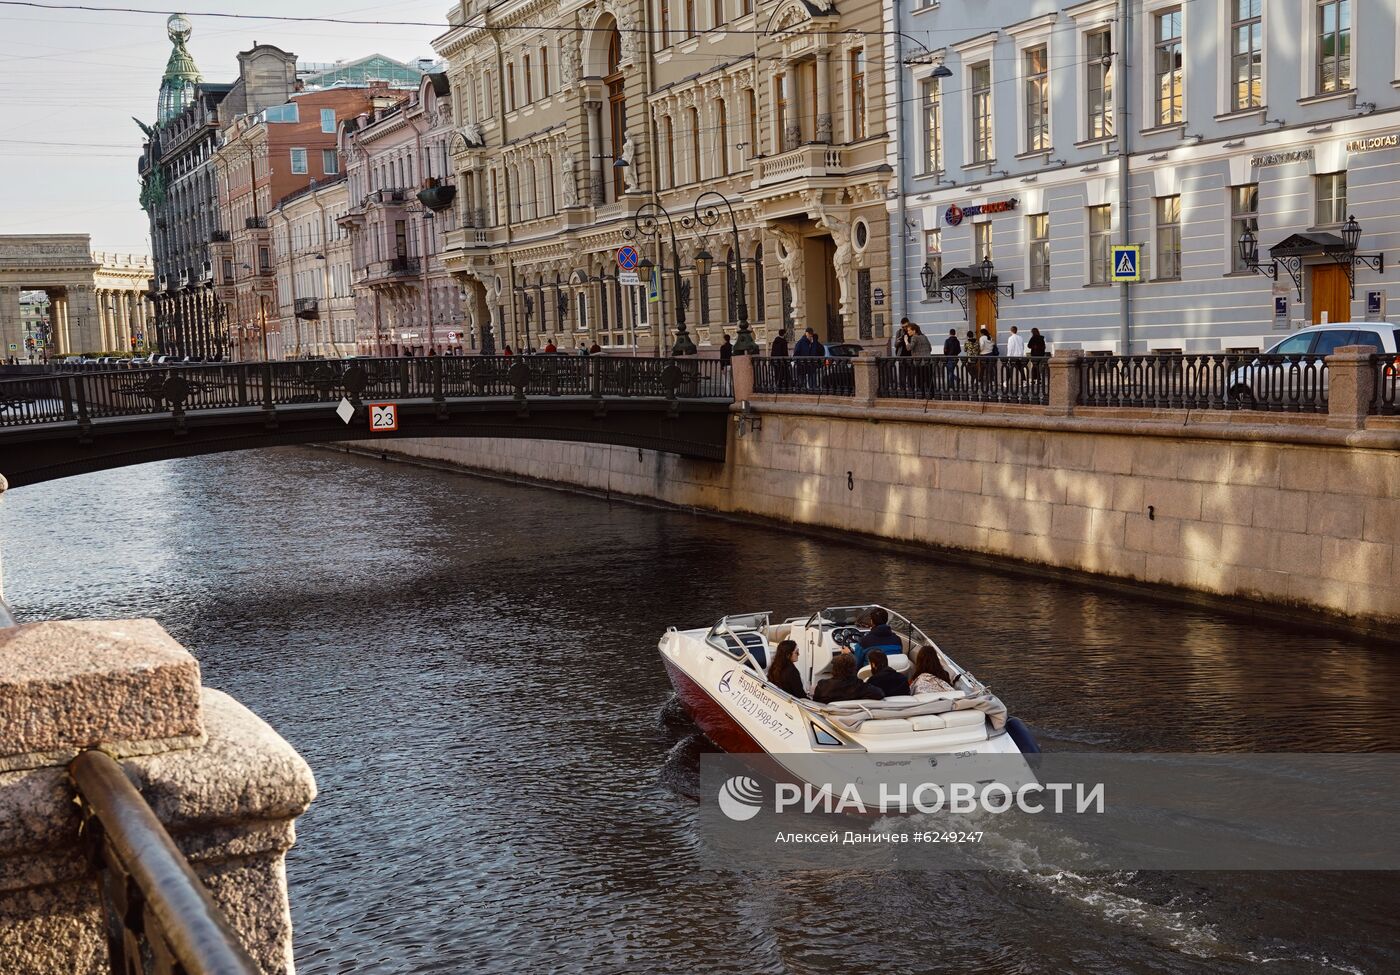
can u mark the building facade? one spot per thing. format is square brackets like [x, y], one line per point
[583, 128]
[1070, 128]
[60, 297]
[313, 272]
[399, 168]
[262, 159]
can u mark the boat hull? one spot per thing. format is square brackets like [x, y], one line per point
[708, 714]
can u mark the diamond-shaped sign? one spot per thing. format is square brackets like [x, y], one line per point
[346, 411]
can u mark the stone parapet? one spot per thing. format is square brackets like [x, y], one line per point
[1351, 383]
[226, 787]
[1063, 393]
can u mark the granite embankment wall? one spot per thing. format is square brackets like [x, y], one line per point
[1287, 510]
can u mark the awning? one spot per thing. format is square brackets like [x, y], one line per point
[966, 277]
[1308, 245]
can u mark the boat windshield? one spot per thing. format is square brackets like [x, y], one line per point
[743, 631]
[860, 616]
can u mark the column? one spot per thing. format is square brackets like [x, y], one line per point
[124, 320]
[823, 96]
[58, 327]
[11, 323]
[102, 298]
[595, 150]
[84, 323]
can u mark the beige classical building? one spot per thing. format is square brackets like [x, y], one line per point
[97, 301]
[311, 265]
[577, 121]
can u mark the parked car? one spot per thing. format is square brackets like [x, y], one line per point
[1261, 383]
[843, 350]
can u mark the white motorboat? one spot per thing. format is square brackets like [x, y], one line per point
[720, 677]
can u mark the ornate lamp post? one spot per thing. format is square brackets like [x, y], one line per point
[647, 223]
[707, 214]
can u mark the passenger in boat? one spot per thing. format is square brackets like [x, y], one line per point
[879, 635]
[890, 681]
[929, 673]
[782, 672]
[844, 685]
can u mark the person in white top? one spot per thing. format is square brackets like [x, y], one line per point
[1015, 345]
[984, 344]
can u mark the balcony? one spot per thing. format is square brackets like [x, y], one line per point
[393, 271]
[219, 237]
[803, 163]
[255, 223]
[306, 308]
[390, 196]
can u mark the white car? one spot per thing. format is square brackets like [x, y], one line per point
[1262, 383]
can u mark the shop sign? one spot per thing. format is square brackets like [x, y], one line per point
[1375, 306]
[955, 214]
[1374, 142]
[1279, 158]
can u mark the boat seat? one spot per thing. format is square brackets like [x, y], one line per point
[886, 726]
[970, 718]
[899, 663]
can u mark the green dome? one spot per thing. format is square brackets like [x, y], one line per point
[181, 73]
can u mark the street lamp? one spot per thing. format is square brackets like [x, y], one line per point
[708, 216]
[986, 269]
[702, 262]
[647, 221]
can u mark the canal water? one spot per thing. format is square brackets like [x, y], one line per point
[470, 669]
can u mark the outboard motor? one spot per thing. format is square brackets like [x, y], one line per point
[1020, 733]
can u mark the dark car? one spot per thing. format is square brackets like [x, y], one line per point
[843, 350]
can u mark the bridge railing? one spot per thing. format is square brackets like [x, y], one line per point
[981, 379]
[1207, 381]
[214, 386]
[805, 375]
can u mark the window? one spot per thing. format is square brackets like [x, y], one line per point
[1244, 210]
[582, 311]
[327, 120]
[1168, 213]
[1331, 198]
[670, 152]
[1038, 232]
[1333, 46]
[1167, 67]
[981, 241]
[544, 74]
[1246, 55]
[722, 118]
[716, 12]
[298, 160]
[529, 80]
[264, 259]
[758, 314]
[689, 17]
[1100, 227]
[981, 78]
[330, 162]
[488, 95]
[1037, 81]
[780, 104]
[857, 95]
[283, 113]
[694, 146]
[933, 257]
[745, 7]
[1098, 86]
[752, 101]
[933, 127]
[665, 23]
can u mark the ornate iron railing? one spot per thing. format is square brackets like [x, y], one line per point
[86, 396]
[1247, 381]
[1387, 370]
[804, 375]
[159, 916]
[977, 379]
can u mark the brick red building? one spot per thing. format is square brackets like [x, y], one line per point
[266, 157]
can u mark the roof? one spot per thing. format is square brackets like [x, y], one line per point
[966, 276]
[1303, 245]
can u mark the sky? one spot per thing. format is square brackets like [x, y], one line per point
[71, 80]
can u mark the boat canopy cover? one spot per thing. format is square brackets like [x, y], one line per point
[852, 714]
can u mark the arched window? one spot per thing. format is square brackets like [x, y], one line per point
[731, 290]
[530, 197]
[617, 107]
[694, 146]
[758, 315]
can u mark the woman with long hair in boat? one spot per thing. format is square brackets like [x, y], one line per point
[929, 673]
[782, 672]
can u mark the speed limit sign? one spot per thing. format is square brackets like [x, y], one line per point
[383, 417]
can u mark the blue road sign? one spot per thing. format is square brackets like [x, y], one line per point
[1127, 262]
[627, 257]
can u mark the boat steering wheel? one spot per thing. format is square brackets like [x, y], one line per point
[847, 636]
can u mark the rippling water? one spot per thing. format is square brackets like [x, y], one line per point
[470, 669]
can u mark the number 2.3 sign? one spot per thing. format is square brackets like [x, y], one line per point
[383, 417]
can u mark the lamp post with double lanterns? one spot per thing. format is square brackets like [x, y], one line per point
[646, 222]
[707, 215]
[1344, 254]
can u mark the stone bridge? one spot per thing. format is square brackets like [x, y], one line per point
[75, 423]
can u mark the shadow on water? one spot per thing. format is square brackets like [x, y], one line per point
[470, 668]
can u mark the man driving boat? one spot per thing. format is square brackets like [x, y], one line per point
[879, 637]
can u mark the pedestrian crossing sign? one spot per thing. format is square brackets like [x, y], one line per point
[1127, 262]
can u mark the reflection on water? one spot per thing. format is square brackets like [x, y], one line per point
[470, 669]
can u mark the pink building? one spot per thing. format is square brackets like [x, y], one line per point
[399, 175]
